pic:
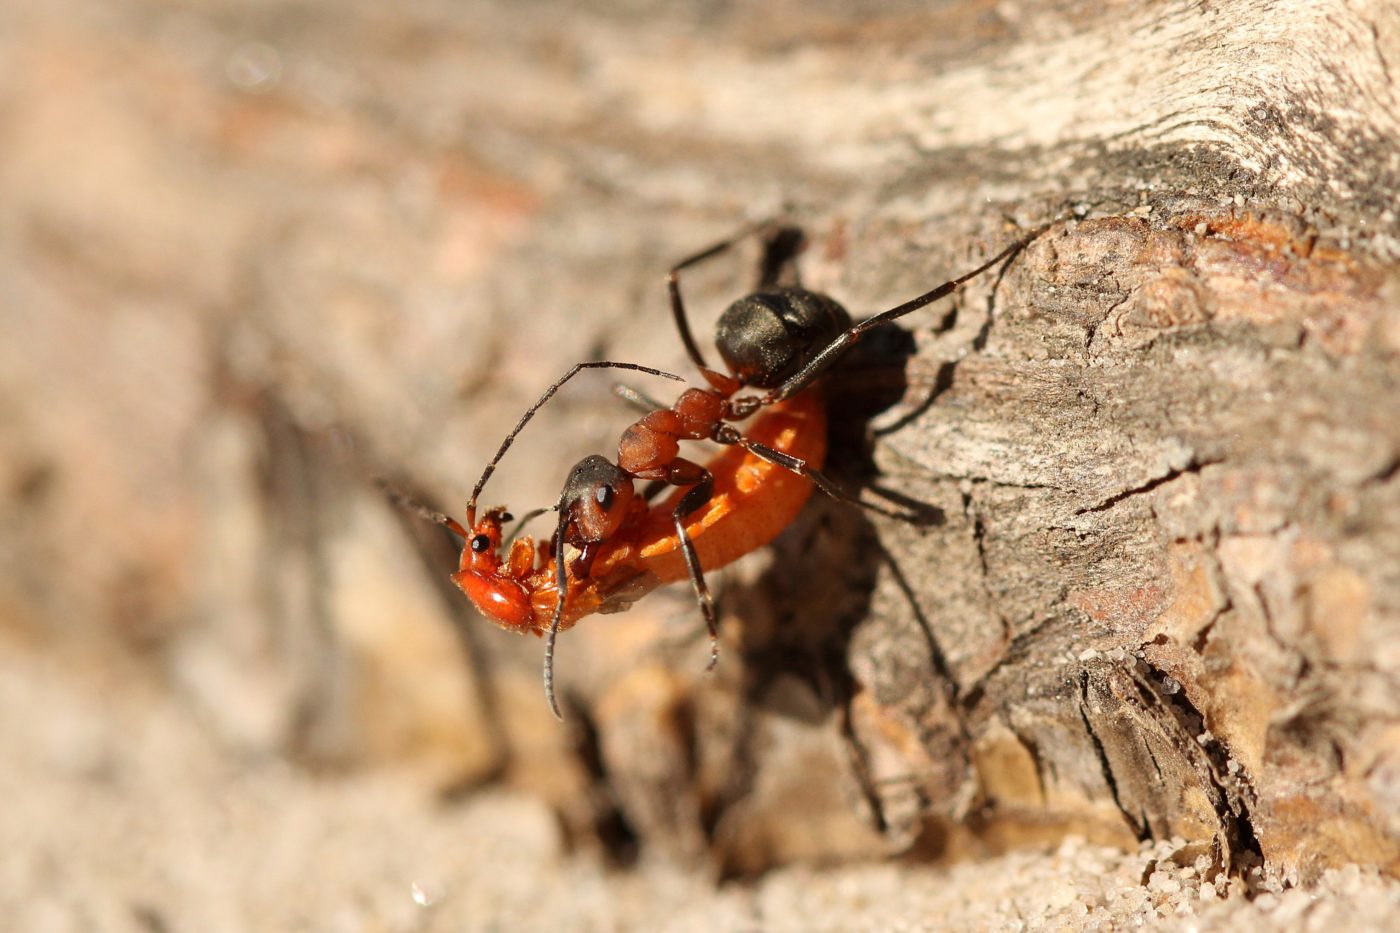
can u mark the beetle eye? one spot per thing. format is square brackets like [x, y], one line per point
[480, 543]
[604, 495]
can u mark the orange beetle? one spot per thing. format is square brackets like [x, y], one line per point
[752, 501]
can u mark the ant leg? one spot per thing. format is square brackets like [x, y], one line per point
[561, 576]
[833, 351]
[548, 394]
[819, 479]
[673, 286]
[401, 500]
[780, 248]
[697, 496]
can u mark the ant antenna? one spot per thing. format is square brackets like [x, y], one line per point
[530, 413]
[561, 576]
[829, 354]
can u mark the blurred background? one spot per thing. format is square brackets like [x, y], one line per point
[256, 253]
[253, 255]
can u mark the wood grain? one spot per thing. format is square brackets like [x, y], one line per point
[254, 255]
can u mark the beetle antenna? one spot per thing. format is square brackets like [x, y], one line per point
[526, 519]
[548, 394]
[403, 501]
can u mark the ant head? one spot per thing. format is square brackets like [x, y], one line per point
[597, 497]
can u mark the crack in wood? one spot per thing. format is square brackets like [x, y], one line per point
[1139, 821]
[1194, 466]
[979, 539]
[1234, 793]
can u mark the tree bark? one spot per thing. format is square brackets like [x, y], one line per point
[257, 258]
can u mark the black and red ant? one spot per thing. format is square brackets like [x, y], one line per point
[778, 342]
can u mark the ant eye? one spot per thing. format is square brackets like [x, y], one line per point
[507, 517]
[481, 543]
[604, 496]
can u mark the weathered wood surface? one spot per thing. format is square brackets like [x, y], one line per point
[254, 255]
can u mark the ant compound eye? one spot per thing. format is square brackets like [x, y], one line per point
[596, 498]
[480, 544]
[507, 517]
[604, 496]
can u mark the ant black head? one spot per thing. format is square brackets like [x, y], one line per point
[768, 336]
[596, 497]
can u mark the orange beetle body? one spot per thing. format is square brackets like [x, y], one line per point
[753, 501]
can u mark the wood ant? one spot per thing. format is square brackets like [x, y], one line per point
[780, 340]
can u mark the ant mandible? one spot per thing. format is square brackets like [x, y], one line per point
[780, 339]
